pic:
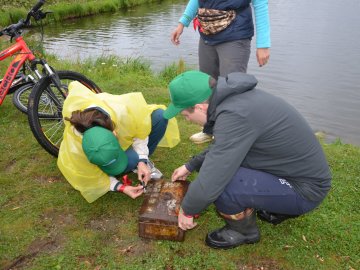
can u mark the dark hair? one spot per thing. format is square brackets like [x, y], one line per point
[212, 83]
[83, 120]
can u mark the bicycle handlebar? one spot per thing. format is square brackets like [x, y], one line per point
[13, 29]
[38, 5]
[34, 9]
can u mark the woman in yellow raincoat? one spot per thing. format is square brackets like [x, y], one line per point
[107, 135]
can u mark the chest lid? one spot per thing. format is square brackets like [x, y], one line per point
[162, 201]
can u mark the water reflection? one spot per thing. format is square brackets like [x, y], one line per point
[140, 32]
[314, 55]
[314, 64]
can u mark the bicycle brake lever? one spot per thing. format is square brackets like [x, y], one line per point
[39, 15]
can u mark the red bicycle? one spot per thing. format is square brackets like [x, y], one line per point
[48, 86]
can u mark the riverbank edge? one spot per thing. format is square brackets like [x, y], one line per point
[69, 10]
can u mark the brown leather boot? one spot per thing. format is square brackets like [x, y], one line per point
[239, 229]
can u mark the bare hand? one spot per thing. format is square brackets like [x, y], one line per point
[175, 35]
[262, 55]
[133, 192]
[185, 223]
[144, 173]
[180, 173]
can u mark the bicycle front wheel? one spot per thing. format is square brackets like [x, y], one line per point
[45, 108]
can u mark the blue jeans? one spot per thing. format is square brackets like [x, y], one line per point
[260, 190]
[158, 128]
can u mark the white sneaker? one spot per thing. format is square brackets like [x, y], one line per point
[201, 137]
[155, 173]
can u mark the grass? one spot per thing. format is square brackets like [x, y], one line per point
[46, 224]
[12, 11]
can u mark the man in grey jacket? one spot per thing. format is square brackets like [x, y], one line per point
[264, 156]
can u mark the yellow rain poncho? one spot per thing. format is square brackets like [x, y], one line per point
[132, 117]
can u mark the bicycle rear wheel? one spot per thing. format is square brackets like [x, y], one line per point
[20, 97]
[45, 108]
[19, 81]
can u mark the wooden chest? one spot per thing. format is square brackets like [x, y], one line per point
[159, 211]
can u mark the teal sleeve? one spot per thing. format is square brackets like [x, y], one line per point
[189, 13]
[262, 23]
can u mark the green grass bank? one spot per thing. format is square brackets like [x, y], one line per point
[12, 11]
[46, 224]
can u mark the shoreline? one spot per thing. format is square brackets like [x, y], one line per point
[67, 9]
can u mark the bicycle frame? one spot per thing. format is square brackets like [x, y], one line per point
[24, 54]
[48, 87]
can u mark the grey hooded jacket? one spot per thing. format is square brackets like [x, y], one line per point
[255, 130]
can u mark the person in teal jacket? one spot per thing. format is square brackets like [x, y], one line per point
[228, 50]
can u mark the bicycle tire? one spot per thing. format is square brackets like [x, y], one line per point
[45, 108]
[20, 97]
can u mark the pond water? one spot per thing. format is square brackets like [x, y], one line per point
[314, 63]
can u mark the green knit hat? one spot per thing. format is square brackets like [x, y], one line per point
[186, 90]
[102, 148]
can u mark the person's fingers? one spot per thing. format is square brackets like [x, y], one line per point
[138, 187]
[174, 176]
[144, 175]
[138, 190]
[135, 195]
[134, 192]
[141, 176]
[146, 181]
[187, 226]
[183, 226]
[192, 226]
[175, 38]
[148, 177]
[262, 62]
[262, 57]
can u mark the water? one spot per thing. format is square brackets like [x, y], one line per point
[141, 32]
[314, 56]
